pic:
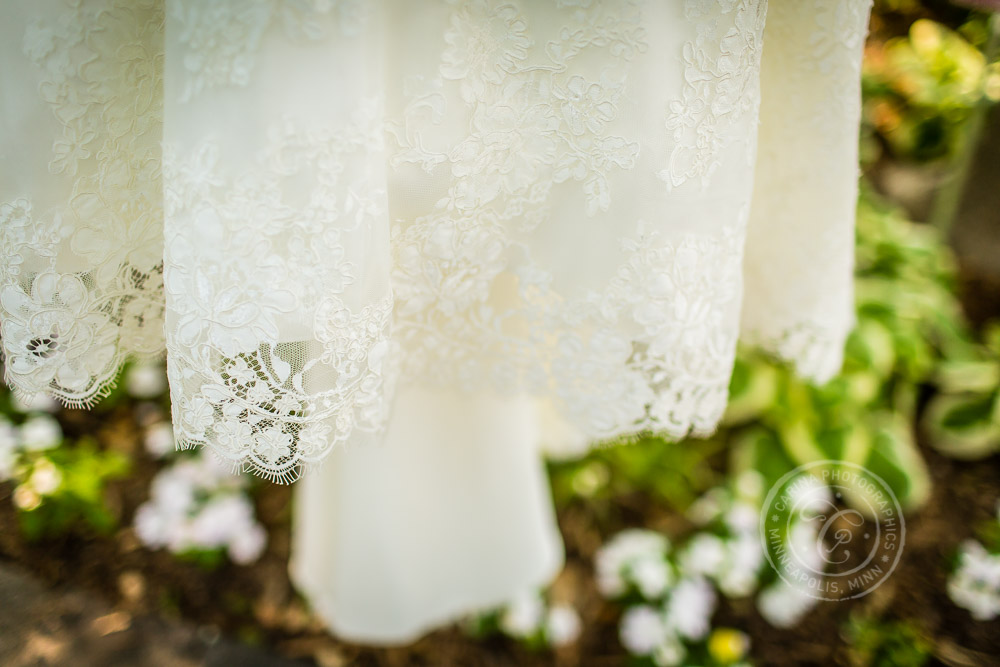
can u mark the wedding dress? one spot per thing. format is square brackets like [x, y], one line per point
[420, 240]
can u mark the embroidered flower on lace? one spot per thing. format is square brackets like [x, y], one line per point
[535, 124]
[67, 333]
[264, 398]
[720, 86]
[222, 37]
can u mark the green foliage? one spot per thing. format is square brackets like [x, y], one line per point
[674, 472]
[921, 89]
[963, 419]
[879, 643]
[909, 325]
[79, 501]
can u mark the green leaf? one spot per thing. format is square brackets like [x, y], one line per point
[962, 425]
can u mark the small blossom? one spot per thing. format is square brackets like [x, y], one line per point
[40, 432]
[45, 477]
[652, 576]
[627, 547]
[690, 608]
[742, 518]
[8, 449]
[670, 653]
[704, 553]
[975, 584]
[750, 484]
[562, 625]
[783, 605]
[26, 498]
[727, 645]
[246, 546]
[523, 615]
[159, 440]
[809, 496]
[708, 507]
[197, 504]
[146, 381]
[642, 630]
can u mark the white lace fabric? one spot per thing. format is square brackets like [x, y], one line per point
[567, 199]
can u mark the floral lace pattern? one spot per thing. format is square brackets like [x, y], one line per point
[222, 37]
[721, 66]
[246, 261]
[566, 199]
[81, 276]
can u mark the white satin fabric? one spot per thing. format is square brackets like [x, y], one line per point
[450, 515]
[483, 204]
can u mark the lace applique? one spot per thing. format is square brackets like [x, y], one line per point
[564, 220]
[222, 37]
[720, 85]
[649, 350]
[269, 365]
[67, 331]
[672, 376]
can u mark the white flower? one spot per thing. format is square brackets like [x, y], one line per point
[196, 504]
[26, 498]
[8, 462]
[742, 518]
[246, 545]
[670, 653]
[146, 380]
[750, 484]
[159, 440]
[708, 507]
[173, 492]
[690, 608]
[980, 564]
[151, 526]
[562, 625]
[745, 557]
[40, 432]
[651, 575]
[975, 584]
[523, 615]
[642, 630]
[625, 548]
[783, 605]
[219, 519]
[804, 545]
[8, 449]
[704, 553]
[45, 477]
[983, 605]
[810, 497]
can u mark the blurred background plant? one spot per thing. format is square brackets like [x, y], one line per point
[921, 88]
[57, 486]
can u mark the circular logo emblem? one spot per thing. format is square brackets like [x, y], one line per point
[833, 530]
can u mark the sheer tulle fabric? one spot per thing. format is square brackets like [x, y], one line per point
[482, 204]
